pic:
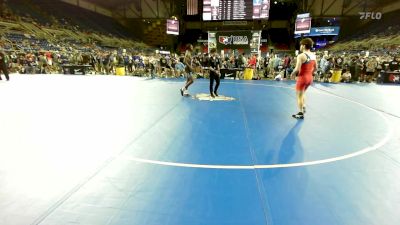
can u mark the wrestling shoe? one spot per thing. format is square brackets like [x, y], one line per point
[299, 115]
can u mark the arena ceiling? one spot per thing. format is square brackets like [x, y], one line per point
[116, 3]
[112, 4]
[150, 8]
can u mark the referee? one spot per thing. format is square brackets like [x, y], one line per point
[214, 65]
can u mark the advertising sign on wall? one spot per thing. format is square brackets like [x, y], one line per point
[321, 31]
[234, 40]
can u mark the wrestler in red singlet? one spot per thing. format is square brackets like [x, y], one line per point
[306, 65]
[305, 76]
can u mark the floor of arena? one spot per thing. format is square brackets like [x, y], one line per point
[102, 150]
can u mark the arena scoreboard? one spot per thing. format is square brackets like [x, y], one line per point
[173, 27]
[235, 9]
[303, 23]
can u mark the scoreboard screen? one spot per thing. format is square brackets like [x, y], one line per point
[303, 24]
[173, 27]
[235, 9]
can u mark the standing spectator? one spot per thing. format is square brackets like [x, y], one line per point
[394, 64]
[127, 62]
[363, 69]
[358, 69]
[352, 66]
[252, 64]
[171, 64]
[271, 70]
[338, 63]
[107, 63]
[286, 64]
[327, 69]
[371, 66]
[266, 64]
[163, 65]
[42, 64]
[3, 65]
[31, 63]
[99, 63]
[49, 58]
[277, 63]
[242, 62]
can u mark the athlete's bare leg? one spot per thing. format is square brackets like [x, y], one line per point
[300, 105]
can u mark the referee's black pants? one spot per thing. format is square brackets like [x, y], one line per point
[214, 76]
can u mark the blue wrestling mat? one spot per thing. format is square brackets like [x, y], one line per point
[102, 150]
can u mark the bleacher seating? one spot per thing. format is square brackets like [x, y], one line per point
[44, 12]
[47, 24]
[375, 35]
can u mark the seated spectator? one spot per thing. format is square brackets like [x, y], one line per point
[179, 68]
[346, 76]
[327, 77]
[278, 77]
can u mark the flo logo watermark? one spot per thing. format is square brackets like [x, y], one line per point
[370, 15]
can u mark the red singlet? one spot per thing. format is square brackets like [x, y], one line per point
[305, 76]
